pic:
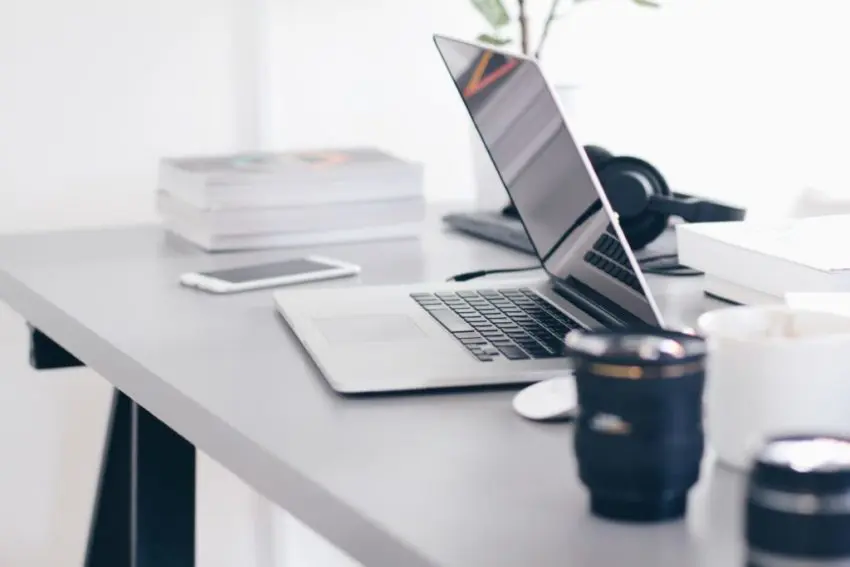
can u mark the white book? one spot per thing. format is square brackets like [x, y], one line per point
[234, 242]
[335, 216]
[760, 261]
[290, 178]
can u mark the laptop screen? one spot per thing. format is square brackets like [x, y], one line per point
[548, 179]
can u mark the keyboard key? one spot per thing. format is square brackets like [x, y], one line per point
[467, 335]
[540, 334]
[559, 329]
[450, 321]
[467, 294]
[421, 295]
[513, 353]
[474, 342]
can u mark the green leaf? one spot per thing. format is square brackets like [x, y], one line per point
[492, 40]
[647, 3]
[493, 11]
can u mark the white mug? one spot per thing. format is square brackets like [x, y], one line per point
[773, 370]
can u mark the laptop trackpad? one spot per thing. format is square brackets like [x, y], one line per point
[369, 329]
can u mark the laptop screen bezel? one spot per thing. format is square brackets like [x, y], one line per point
[603, 198]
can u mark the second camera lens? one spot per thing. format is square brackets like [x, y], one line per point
[798, 503]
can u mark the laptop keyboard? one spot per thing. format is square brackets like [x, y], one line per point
[513, 324]
[609, 256]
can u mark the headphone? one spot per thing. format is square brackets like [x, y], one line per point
[643, 200]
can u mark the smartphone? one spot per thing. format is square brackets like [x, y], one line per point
[286, 272]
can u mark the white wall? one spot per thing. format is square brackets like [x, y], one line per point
[733, 99]
[367, 72]
[92, 92]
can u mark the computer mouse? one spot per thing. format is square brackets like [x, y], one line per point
[550, 400]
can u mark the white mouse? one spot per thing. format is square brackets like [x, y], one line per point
[550, 400]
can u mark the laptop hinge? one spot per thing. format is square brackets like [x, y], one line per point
[595, 305]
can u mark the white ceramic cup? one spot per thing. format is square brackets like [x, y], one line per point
[772, 371]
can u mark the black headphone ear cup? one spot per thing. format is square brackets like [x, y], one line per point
[629, 182]
[597, 155]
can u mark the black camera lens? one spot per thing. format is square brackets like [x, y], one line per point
[638, 435]
[798, 503]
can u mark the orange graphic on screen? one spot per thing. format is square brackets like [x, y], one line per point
[482, 78]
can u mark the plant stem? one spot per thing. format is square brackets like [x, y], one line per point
[523, 27]
[545, 33]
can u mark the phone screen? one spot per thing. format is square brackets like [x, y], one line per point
[268, 271]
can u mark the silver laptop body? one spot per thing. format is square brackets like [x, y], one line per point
[442, 335]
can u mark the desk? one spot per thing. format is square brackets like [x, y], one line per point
[445, 480]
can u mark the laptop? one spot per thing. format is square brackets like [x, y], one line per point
[444, 335]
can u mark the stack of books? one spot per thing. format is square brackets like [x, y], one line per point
[264, 200]
[756, 262]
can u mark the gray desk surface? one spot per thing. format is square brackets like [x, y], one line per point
[452, 480]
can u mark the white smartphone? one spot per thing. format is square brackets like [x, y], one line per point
[286, 272]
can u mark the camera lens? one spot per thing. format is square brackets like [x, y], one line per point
[638, 435]
[798, 503]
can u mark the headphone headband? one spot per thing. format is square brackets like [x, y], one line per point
[643, 200]
[696, 209]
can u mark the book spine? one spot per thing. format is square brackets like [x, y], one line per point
[748, 268]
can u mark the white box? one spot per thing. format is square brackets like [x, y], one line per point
[315, 218]
[237, 242]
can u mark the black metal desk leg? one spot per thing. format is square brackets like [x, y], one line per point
[109, 532]
[145, 506]
[162, 513]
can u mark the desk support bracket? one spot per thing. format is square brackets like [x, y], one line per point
[144, 511]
